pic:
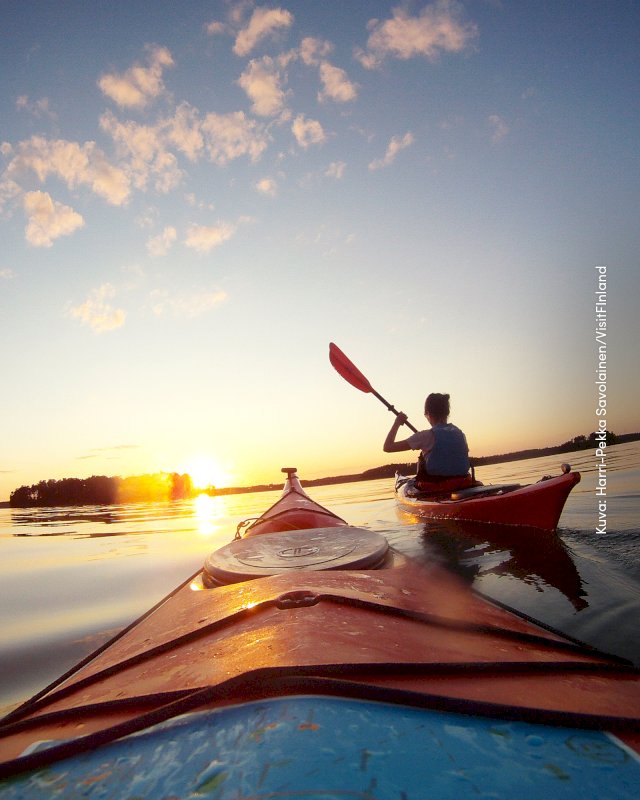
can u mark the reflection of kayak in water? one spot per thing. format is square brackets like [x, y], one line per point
[537, 505]
[531, 557]
[316, 661]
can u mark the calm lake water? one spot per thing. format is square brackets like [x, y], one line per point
[70, 578]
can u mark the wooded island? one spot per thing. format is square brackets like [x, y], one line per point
[167, 486]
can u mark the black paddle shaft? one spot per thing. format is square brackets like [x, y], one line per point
[392, 409]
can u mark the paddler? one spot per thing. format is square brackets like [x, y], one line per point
[444, 453]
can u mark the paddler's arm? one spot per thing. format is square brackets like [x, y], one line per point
[390, 445]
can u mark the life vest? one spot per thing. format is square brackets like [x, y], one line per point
[450, 453]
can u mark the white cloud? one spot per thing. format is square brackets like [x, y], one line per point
[136, 87]
[147, 218]
[143, 153]
[186, 305]
[160, 245]
[9, 190]
[38, 108]
[110, 182]
[307, 131]
[335, 170]
[313, 51]
[184, 131]
[224, 137]
[438, 28]
[264, 22]
[499, 128]
[73, 163]
[336, 85]
[204, 238]
[48, 219]
[142, 149]
[6, 274]
[194, 202]
[396, 144]
[230, 136]
[267, 186]
[262, 81]
[214, 28]
[97, 313]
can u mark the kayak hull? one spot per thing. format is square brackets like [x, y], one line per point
[323, 747]
[327, 683]
[538, 505]
[294, 510]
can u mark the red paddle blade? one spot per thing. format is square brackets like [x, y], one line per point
[349, 371]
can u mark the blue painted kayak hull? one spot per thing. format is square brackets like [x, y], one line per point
[325, 747]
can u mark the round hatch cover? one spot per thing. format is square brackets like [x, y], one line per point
[341, 547]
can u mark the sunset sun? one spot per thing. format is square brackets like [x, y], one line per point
[206, 471]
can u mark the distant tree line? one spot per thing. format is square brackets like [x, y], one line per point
[592, 440]
[101, 490]
[163, 486]
[577, 443]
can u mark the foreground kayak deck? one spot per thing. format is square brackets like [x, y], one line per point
[331, 682]
[537, 505]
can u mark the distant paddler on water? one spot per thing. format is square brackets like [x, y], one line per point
[443, 487]
[444, 452]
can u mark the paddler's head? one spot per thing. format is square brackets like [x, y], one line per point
[436, 408]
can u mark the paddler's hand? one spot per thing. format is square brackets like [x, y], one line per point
[390, 445]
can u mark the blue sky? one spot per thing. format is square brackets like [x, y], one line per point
[195, 200]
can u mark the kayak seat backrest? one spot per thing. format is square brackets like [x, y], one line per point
[444, 486]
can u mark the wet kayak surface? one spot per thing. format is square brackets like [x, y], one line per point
[72, 577]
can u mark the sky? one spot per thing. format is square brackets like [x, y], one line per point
[196, 198]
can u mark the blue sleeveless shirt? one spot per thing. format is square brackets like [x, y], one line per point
[449, 455]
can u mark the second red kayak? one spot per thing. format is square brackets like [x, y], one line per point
[536, 505]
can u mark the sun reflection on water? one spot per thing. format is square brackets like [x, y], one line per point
[208, 513]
